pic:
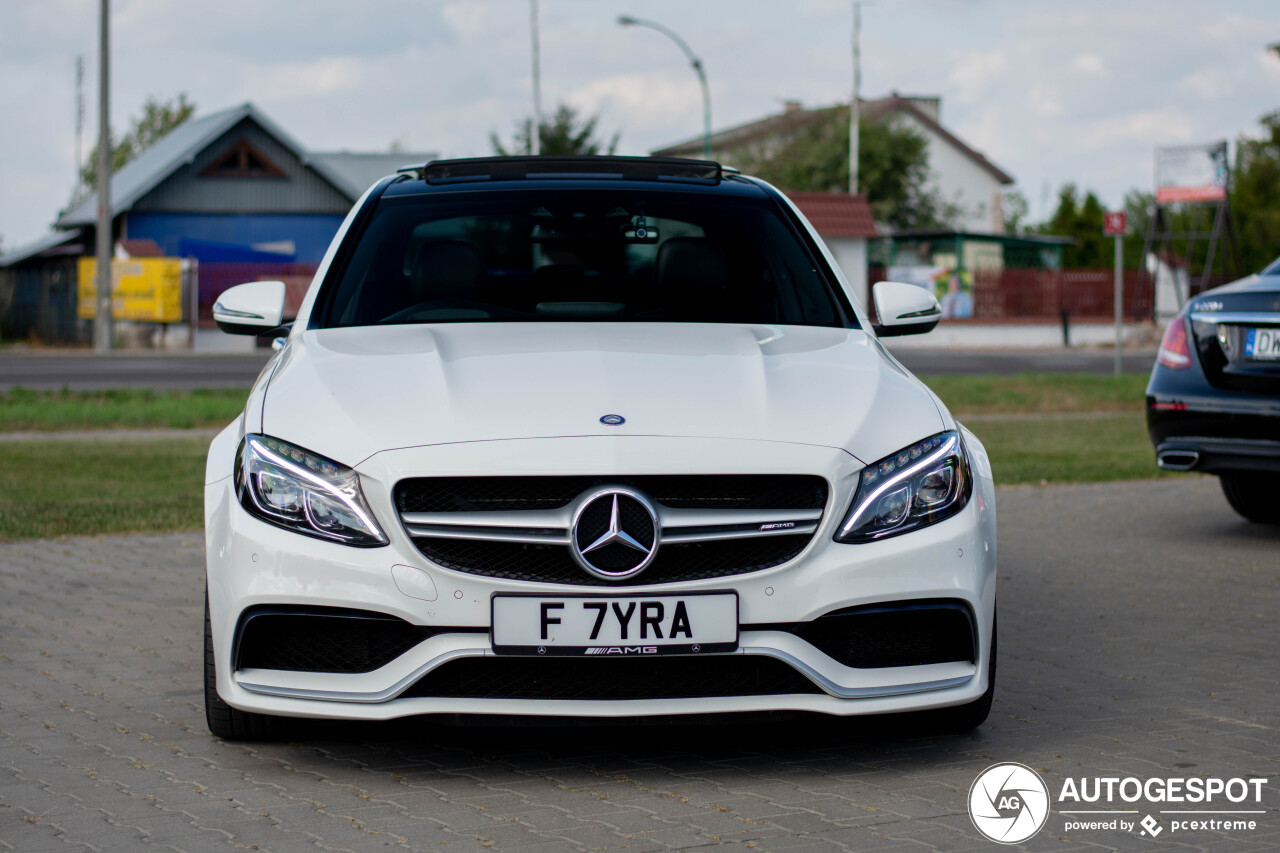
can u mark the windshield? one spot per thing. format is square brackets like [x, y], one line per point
[578, 255]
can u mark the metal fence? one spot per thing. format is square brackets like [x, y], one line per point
[38, 303]
[1029, 294]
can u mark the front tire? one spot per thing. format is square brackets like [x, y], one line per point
[1250, 496]
[224, 721]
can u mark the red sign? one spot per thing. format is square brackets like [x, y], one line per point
[1114, 223]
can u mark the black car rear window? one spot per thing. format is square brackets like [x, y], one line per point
[578, 255]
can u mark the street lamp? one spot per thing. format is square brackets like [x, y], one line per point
[628, 21]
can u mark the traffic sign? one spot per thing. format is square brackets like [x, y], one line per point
[1114, 223]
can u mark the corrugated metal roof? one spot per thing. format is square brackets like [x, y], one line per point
[36, 247]
[359, 171]
[837, 214]
[179, 147]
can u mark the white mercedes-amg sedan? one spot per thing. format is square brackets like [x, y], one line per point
[594, 438]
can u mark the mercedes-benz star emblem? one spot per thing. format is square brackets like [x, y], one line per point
[614, 534]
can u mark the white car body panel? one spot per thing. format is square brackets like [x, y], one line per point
[348, 393]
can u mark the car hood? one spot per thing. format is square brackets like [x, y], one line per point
[350, 393]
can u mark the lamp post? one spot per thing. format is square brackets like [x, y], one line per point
[628, 21]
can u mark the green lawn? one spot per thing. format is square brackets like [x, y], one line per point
[56, 488]
[1068, 450]
[23, 409]
[1039, 393]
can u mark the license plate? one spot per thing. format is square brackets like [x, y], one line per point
[614, 625]
[1262, 344]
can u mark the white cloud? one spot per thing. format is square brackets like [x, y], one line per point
[1044, 101]
[1155, 127]
[1208, 83]
[975, 74]
[1089, 64]
[325, 76]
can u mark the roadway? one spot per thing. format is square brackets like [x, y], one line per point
[1137, 639]
[83, 370]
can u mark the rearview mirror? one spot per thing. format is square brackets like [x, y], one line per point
[250, 309]
[904, 309]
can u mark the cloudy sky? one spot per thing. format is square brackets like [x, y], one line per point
[1051, 91]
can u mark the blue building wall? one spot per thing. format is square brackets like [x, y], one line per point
[310, 232]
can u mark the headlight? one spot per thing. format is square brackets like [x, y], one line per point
[917, 486]
[291, 488]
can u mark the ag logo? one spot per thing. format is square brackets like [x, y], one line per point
[1008, 803]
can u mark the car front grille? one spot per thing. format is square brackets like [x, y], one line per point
[518, 528]
[675, 677]
[552, 564]
[684, 491]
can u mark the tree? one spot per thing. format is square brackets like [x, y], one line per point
[893, 168]
[1081, 219]
[563, 133]
[158, 118]
[1255, 197]
[1016, 210]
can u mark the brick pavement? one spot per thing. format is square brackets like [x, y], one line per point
[1138, 638]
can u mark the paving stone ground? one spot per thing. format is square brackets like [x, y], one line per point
[1139, 637]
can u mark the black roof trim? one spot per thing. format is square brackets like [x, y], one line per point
[570, 166]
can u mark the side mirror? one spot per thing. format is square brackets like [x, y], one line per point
[904, 309]
[250, 309]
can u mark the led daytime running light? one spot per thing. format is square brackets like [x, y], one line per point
[317, 479]
[902, 470]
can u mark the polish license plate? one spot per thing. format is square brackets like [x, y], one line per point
[1262, 344]
[614, 625]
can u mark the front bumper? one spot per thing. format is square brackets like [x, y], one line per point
[252, 564]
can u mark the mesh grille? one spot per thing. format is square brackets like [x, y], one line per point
[552, 563]
[728, 491]
[617, 678]
[339, 641]
[878, 638]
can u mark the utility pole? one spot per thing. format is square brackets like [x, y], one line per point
[535, 133]
[79, 125]
[855, 108]
[102, 319]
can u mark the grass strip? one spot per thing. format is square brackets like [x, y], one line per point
[25, 410]
[1068, 450]
[80, 487]
[59, 488]
[1025, 393]
[1039, 393]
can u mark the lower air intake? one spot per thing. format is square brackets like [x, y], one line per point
[323, 640]
[883, 636]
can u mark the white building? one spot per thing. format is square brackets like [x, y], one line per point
[962, 176]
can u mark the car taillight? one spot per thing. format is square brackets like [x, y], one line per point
[1174, 352]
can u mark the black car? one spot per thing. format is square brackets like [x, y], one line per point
[1213, 402]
